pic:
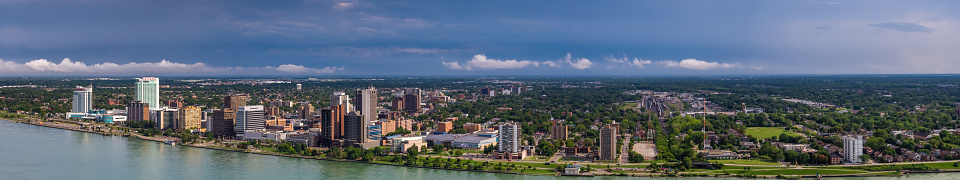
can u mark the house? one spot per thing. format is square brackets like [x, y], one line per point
[888, 158]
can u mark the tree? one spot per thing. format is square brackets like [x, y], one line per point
[412, 151]
[635, 157]
[864, 158]
[777, 156]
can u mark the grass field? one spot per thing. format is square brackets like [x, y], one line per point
[629, 105]
[944, 165]
[766, 132]
[732, 167]
[755, 161]
[804, 172]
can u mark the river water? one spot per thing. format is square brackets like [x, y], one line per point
[34, 152]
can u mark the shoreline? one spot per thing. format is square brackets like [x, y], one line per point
[693, 174]
[260, 153]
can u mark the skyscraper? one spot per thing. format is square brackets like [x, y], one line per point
[189, 118]
[82, 99]
[509, 137]
[326, 127]
[355, 129]
[340, 98]
[366, 103]
[234, 101]
[608, 143]
[138, 111]
[223, 120]
[148, 91]
[250, 118]
[339, 112]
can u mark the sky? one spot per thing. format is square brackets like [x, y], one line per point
[454, 38]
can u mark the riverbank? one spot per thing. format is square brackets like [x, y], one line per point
[540, 170]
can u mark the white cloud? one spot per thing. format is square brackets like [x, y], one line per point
[164, 67]
[639, 63]
[581, 63]
[551, 63]
[698, 64]
[481, 62]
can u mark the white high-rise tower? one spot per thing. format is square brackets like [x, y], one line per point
[148, 91]
[82, 99]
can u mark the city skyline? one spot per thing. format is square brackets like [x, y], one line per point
[355, 37]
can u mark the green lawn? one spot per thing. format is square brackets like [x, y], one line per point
[803, 172]
[732, 167]
[755, 161]
[944, 165]
[629, 105]
[537, 158]
[766, 132]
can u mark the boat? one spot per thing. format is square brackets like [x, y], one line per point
[170, 142]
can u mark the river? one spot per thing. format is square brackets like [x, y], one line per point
[34, 152]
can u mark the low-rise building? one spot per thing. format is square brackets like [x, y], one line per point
[401, 144]
[463, 141]
[571, 170]
[719, 154]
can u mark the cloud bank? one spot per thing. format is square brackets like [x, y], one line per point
[698, 64]
[165, 68]
[624, 60]
[480, 61]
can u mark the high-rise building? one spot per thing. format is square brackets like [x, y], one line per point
[412, 100]
[223, 120]
[485, 91]
[165, 118]
[365, 101]
[509, 137]
[306, 111]
[355, 129]
[299, 86]
[326, 126]
[339, 113]
[608, 143]
[148, 91]
[189, 118]
[340, 98]
[852, 148]
[559, 132]
[82, 99]
[250, 118]
[235, 101]
[138, 111]
[397, 103]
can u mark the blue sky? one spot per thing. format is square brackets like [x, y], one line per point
[315, 38]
